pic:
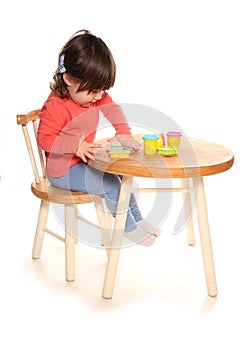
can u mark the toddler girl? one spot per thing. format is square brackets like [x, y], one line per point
[68, 124]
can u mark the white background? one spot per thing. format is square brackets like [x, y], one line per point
[188, 60]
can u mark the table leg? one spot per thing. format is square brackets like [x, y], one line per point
[207, 253]
[188, 213]
[120, 220]
[104, 223]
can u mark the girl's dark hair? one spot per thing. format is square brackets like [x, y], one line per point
[88, 60]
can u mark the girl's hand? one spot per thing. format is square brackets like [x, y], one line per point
[127, 141]
[87, 150]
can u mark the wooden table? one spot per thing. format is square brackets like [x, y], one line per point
[196, 159]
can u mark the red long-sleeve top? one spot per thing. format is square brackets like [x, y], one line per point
[62, 124]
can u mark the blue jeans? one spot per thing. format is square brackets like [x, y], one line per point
[83, 178]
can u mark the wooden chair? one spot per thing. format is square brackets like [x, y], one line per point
[49, 194]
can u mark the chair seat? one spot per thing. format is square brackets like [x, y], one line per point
[44, 190]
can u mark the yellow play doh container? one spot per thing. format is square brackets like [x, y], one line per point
[150, 143]
[119, 153]
[174, 139]
[160, 141]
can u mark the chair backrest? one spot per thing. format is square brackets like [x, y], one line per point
[29, 122]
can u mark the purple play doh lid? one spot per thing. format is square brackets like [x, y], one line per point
[174, 133]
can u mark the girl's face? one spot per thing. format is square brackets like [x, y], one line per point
[83, 98]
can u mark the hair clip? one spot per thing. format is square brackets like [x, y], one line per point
[62, 69]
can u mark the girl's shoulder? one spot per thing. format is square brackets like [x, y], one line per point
[55, 109]
[55, 103]
[55, 100]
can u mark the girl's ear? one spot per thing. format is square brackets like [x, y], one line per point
[67, 79]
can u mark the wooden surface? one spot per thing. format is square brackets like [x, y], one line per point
[25, 118]
[196, 158]
[49, 193]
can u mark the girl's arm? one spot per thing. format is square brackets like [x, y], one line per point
[113, 112]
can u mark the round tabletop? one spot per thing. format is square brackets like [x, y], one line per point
[195, 158]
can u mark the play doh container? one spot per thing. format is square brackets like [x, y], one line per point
[150, 143]
[160, 141]
[174, 139]
[119, 153]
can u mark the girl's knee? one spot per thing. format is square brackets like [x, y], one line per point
[111, 183]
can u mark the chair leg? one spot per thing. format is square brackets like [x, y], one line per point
[39, 235]
[206, 246]
[75, 224]
[70, 240]
[188, 213]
